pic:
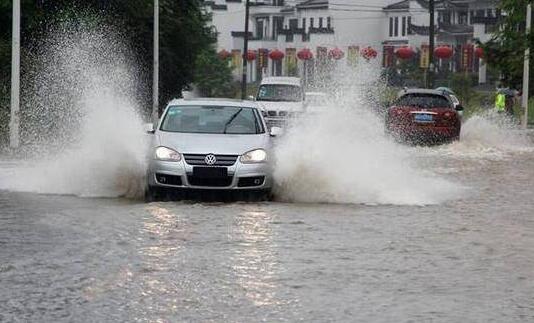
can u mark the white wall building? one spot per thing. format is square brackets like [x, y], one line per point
[291, 25]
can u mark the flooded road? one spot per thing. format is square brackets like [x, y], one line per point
[470, 259]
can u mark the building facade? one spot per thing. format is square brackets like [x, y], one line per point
[343, 29]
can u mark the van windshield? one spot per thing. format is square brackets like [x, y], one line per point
[212, 119]
[279, 92]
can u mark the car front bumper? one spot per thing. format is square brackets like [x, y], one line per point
[179, 175]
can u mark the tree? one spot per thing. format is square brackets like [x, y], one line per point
[505, 49]
[184, 33]
[213, 75]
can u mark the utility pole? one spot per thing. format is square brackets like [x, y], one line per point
[14, 122]
[155, 75]
[430, 78]
[526, 67]
[245, 51]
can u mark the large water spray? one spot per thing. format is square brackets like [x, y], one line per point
[82, 129]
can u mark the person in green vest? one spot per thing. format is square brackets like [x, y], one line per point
[500, 101]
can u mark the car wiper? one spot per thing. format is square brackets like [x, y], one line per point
[231, 119]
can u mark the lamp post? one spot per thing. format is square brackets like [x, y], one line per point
[245, 52]
[524, 97]
[155, 75]
[430, 78]
[14, 122]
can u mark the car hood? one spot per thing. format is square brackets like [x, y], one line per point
[278, 106]
[224, 144]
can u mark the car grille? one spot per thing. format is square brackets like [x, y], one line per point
[198, 159]
[169, 179]
[214, 182]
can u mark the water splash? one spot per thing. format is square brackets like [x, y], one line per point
[343, 156]
[488, 136]
[82, 130]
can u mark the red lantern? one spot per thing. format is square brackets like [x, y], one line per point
[250, 56]
[305, 54]
[404, 52]
[368, 53]
[479, 52]
[336, 53]
[276, 55]
[443, 52]
[224, 54]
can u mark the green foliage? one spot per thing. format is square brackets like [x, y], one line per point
[213, 76]
[184, 33]
[462, 85]
[505, 49]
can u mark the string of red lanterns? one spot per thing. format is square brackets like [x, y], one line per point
[304, 54]
[250, 56]
[276, 55]
[368, 53]
[443, 52]
[224, 54]
[479, 52]
[405, 52]
[336, 54]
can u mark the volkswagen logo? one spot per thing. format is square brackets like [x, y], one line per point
[210, 159]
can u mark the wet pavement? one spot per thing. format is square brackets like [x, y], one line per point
[471, 259]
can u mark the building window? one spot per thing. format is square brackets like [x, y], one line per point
[293, 24]
[259, 28]
[396, 26]
[311, 22]
[328, 22]
[304, 23]
[390, 26]
[278, 2]
[409, 31]
[462, 18]
[278, 24]
[321, 22]
[403, 26]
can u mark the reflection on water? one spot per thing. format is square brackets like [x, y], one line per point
[254, 261]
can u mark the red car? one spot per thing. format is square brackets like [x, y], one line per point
[424, 117]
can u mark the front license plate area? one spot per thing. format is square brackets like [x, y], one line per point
[423, 117]
[210, 172]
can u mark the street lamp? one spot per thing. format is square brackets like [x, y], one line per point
[14, 121]
[155, 75]
[524, 96]
[245, 52]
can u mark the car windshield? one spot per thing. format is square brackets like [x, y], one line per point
[212, 119]
[423, 100]
[279, 92]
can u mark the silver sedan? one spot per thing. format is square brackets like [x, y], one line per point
[209, 144]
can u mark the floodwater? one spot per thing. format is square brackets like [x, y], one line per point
[468, 259]
[364, 229]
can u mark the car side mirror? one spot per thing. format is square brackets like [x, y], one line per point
[459, 108]
[149, 128]
[276, 131]
[251, 98]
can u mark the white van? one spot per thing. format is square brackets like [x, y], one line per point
[280, 98]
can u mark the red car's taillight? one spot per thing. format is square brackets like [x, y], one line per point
[447, 118]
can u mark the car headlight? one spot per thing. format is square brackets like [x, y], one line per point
[253, 156]
[164, 153]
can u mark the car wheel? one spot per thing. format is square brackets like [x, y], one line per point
[152, 194]
[260, 196]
